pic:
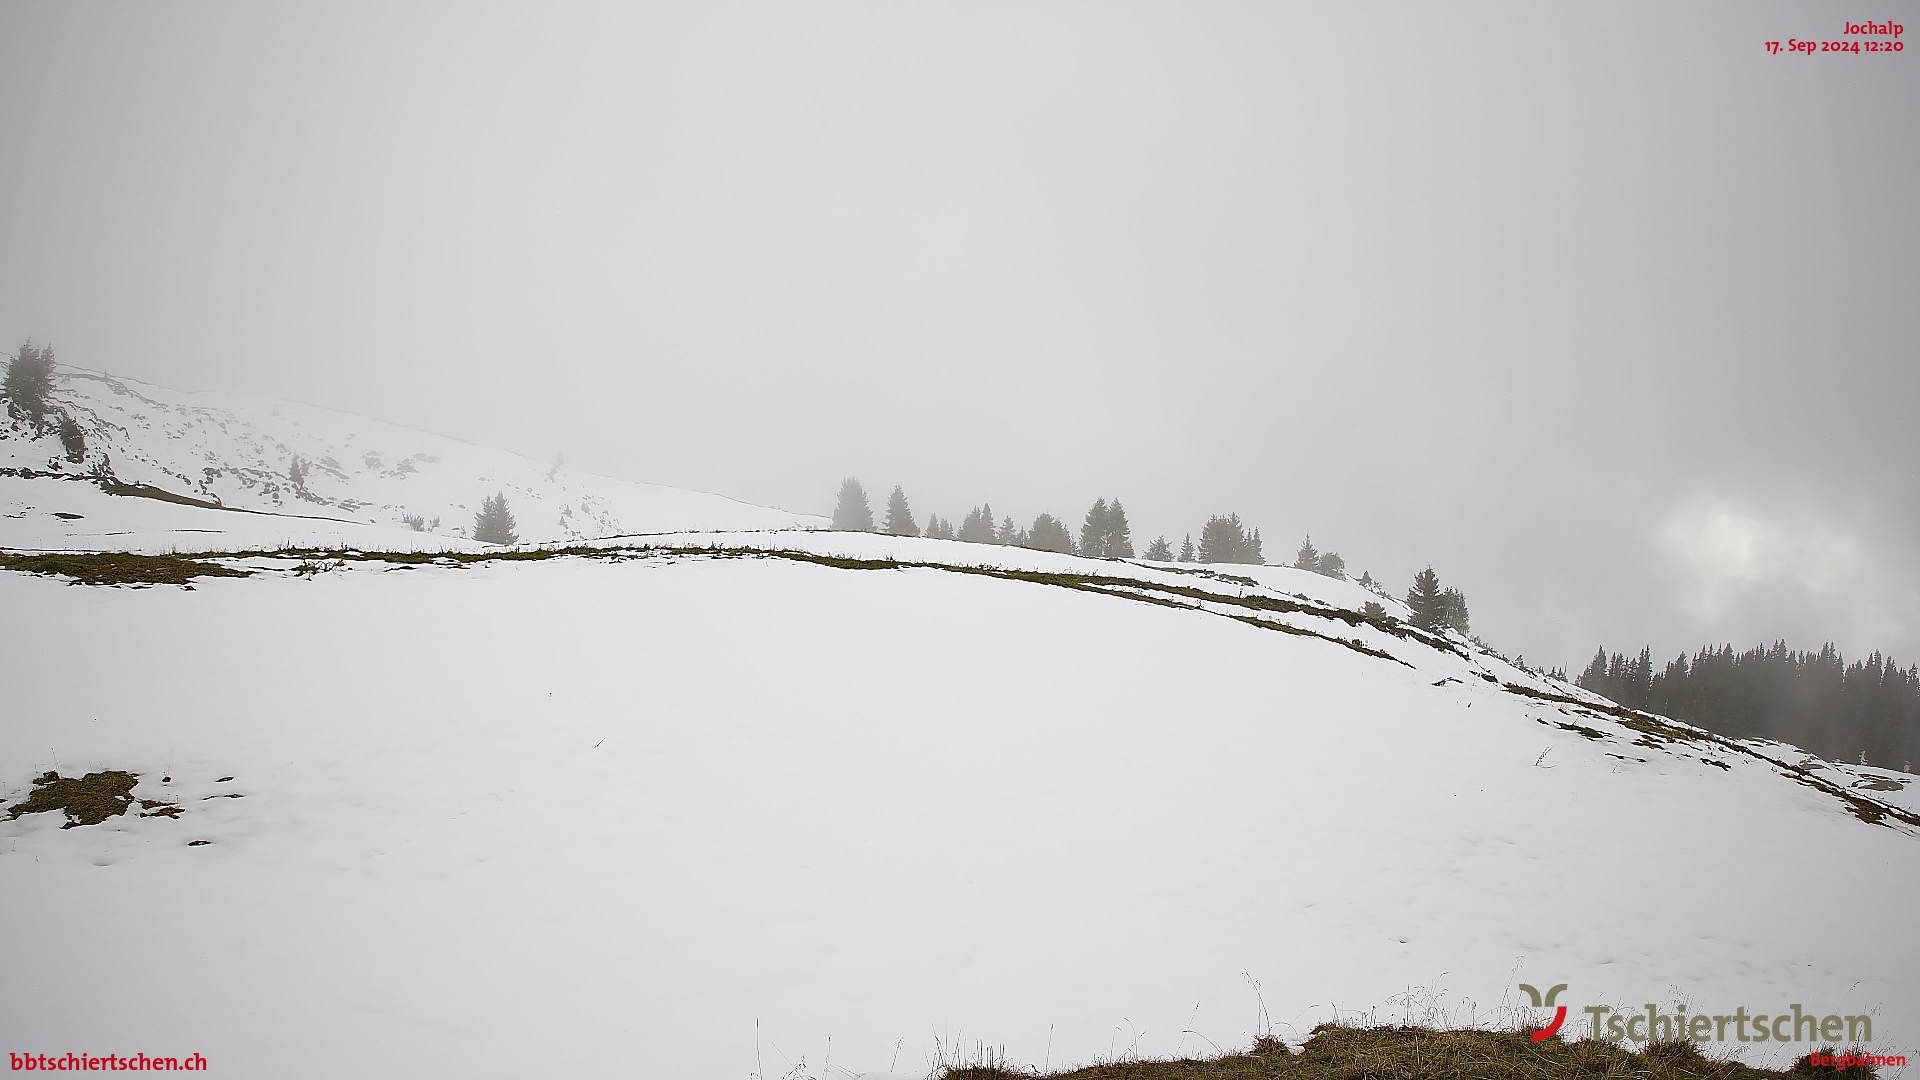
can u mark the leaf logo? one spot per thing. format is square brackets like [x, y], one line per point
[1559, 1011]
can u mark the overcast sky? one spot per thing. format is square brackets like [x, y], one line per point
[1598, 308]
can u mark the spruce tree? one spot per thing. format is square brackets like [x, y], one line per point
[978, 526]
[1642, 686]
[992, 532]
[1330, 564]
[1308, 557]
[1186, 550]
[73, 439]
[1224, 540]
[1049, 533]
[1594, 678]
[851, 513]
[1009, 534]
[899, 517]
[29, 383]
[1093, 530]
[494, 523]
[1424, 599]
[1452, 613]
[1159, 551]
[1119, 535]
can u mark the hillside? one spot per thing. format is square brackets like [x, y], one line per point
[196, 459]
[820, 804]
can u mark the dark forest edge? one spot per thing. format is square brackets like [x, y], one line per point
[1867, 711]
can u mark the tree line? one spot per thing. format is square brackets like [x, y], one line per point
[1106, 534]
[1868, 710]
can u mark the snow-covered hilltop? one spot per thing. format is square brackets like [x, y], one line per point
[168, 469]
[765, 803]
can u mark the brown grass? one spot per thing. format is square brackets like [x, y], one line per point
[1347, 1053]
[118, 568]
[86, 800]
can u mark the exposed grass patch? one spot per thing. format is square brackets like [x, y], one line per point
[118, 568]
[148, 491]
[1346, 1053]
[86, 800]
[160, 808]
[1657, 728]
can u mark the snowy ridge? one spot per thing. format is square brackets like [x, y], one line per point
[654, 800]
[361, 479]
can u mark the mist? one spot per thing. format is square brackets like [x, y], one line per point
[1598, 310]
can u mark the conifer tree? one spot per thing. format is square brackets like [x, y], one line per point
[1186, 550]
[1224, 540]
[1424, 599]
[1009, 534]
[1594, 678]
[1256, 551]
[1049, 533]
[899, 517]
[852, 513]
[73, 439]
[1093, 530]
[29, 383]
[494, 523]
[978, 526]
[1105, 533]
[1159, 551]
[1119, 535]
[1330, 564]
[1452, 611]
[1308, 558]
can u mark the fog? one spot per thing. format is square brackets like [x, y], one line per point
[1601, 310]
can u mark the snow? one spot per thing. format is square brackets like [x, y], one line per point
[31, 518]
[238, 452]
[694, 816]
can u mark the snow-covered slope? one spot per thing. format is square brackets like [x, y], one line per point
[240, 454]
[752, 805]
